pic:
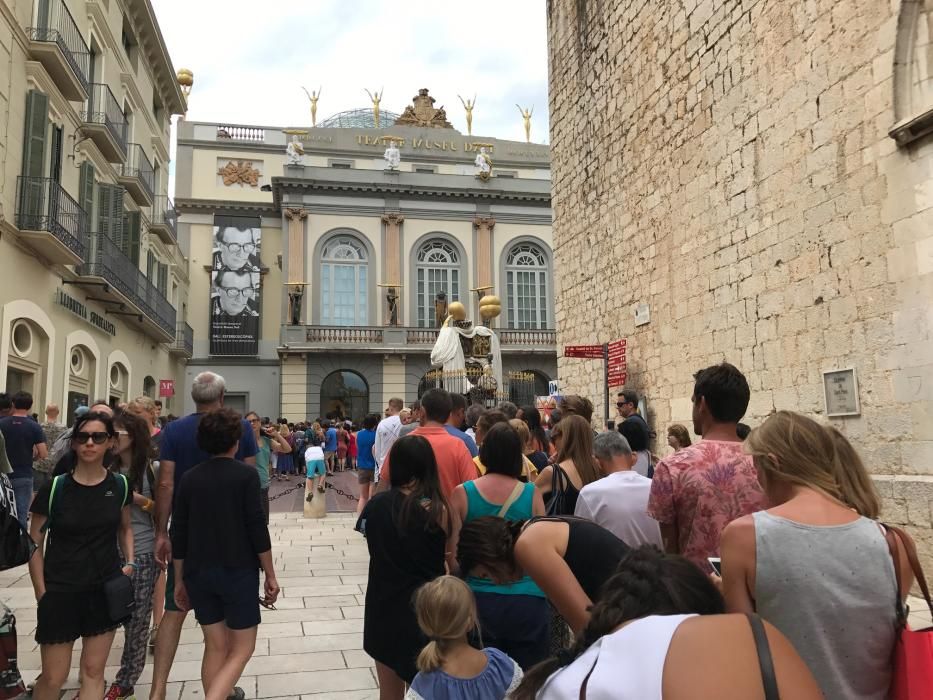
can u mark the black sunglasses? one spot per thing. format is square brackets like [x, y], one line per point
[98, 438]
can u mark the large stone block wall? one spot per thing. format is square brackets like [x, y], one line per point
[728, 163]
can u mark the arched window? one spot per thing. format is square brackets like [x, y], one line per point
[526, 286]
[149, 387]
[438, 270]
[344, 291]
[345, 395]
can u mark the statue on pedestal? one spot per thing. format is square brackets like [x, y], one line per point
[296, 293]
[392, 156]
[483, 164]
[294, 151]
[469, 355]
[392, 301]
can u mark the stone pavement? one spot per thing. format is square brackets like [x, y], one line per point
[310, 647]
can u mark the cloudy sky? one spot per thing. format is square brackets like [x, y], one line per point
[250, 59]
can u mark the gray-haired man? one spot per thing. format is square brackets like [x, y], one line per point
[619, 502]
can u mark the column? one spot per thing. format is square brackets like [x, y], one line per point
[392, 269]
[484, 261]
[296, 285]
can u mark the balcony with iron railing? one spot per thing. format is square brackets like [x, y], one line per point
[56, 42]
[399, 339]
[136, 175]
[184, 340]
[104, 122]
[134, 295]
[50, 221]
[164, 221]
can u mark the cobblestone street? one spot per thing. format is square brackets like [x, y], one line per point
[309, 647]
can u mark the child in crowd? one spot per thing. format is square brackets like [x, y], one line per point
[448, 667]
[315, 465]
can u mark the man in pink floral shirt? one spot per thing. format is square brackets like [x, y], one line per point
[699, 490]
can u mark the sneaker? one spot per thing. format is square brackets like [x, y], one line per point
[310, 496]
[321, 489]
[118, 693]
[237, 694]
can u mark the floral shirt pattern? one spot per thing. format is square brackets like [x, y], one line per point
[701, 489]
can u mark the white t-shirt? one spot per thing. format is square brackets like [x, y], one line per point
[314, 453]
[386, 434]
[619, 502]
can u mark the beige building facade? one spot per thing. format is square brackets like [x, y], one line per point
[335, 233]
[759, 177]
[93, 282]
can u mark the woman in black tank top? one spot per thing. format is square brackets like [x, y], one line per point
[568, 558]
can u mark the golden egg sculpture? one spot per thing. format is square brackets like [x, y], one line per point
[490, 306]
[457, 310]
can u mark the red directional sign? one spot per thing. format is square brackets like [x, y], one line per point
[616, 365]
[590, 351]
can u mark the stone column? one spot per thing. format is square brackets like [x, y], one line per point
[392, 269]
[296, 245]
[484, 258]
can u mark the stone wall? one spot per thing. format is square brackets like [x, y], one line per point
[728, 163]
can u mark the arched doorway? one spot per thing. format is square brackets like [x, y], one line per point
[344, 395]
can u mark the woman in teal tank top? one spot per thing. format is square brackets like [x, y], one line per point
[513, 616]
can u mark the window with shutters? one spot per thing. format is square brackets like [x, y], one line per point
[132, 237]
[110, 213]
[86, 193]
[55, 165]
[162, 283]
[32, 187]
[150, 264]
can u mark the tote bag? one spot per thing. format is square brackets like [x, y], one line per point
[912, 677]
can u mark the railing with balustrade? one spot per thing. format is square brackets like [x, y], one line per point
[240, 133]
[54, 24]
[164, 214]
[344, 335]
[389, 335]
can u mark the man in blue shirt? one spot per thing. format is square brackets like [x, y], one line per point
[330, 446]
[22, 434]
[365, 459]
[180, 452]
[456, 420]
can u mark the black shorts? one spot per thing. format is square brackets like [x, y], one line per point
[63, 616]
[221, 594]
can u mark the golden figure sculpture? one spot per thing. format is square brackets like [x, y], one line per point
[377, 98]
[314, 97]
[526, 116]
[468, 106]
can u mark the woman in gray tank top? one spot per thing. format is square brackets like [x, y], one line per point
[817, 565]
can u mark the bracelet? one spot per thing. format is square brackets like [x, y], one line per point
[132, 564]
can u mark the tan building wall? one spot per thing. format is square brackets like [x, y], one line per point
[50, 344]
[734, 172]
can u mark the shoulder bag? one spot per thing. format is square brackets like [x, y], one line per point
[558, 504]
[514, 496]
[16, 545]
[118, 589]
[912, 672]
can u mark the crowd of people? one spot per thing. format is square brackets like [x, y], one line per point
[511, 554]
[561, 562]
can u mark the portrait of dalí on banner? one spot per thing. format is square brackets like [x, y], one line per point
[235, 285]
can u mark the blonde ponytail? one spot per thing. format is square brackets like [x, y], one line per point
[446, 612]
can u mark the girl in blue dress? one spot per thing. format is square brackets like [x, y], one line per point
[449, 668]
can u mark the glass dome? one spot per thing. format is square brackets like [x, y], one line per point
[359, 119]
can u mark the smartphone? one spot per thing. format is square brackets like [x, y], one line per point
[716, 563]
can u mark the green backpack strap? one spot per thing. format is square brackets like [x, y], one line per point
[55, 482]
[126, 489]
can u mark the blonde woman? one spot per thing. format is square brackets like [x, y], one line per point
[816, 564]
[145, 408]
[574, 466]
[449, 667]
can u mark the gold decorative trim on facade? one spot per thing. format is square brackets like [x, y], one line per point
[240, 172]
[422, 113]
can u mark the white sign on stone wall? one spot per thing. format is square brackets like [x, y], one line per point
[840, 391]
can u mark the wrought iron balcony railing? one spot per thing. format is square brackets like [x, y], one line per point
[137, 174]
[164, 219]
[55, 25]
[184, 339]
[103, 110]
[107, 262]
[42, 205]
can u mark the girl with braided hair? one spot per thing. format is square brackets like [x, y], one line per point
[568, 558]
[658, 631]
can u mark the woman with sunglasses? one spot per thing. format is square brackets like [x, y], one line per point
[133, 452]
[89, 514]
[574, 466]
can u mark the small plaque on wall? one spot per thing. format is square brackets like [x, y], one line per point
[840, 391]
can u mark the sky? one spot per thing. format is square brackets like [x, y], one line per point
[250, 59]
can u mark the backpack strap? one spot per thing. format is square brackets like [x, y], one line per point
[514, 496]
[126, 488]
[55, 482]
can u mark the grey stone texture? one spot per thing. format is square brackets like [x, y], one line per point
[728, 163]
